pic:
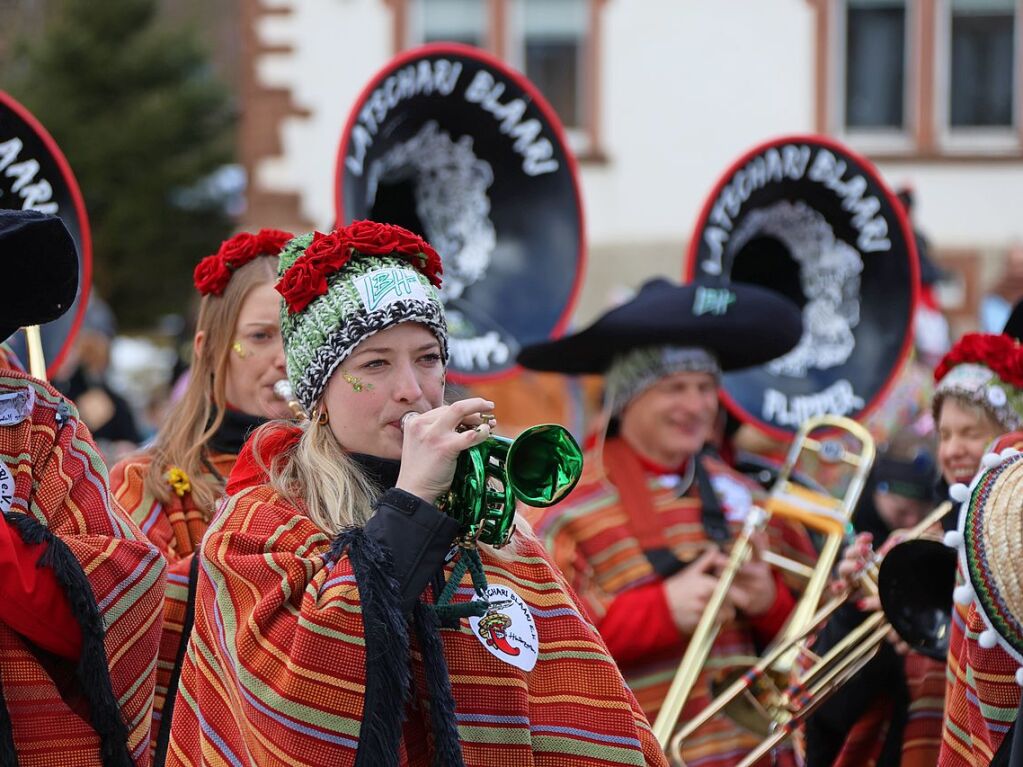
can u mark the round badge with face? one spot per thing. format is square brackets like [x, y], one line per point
[508, 631]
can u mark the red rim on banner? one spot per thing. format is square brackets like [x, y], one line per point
[809, 218]
[35, 174]
[449, 142]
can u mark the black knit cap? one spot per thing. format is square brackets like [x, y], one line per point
[40, 267]
[742, 325]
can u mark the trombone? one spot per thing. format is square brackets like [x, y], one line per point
[909, 594]
[816, 510]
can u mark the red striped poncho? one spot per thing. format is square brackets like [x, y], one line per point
[275, 669]
[981, 695]
[176, 530]
[61, 482]
[592, 541]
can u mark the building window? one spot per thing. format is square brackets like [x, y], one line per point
[553, 42]
[548, 43]
[982, 59]
[875, 65]
[456, 21]
[927, 78]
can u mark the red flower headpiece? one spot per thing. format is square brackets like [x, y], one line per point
[214, 272]
[306, 279]
[1001, 354]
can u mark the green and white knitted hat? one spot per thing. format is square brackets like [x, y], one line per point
[341, 288]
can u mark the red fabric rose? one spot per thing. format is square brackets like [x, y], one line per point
[211, 276]
[301, 285]
[329, 252]
[239, 250]
[272, 241]
[214, 272]
[372, 238]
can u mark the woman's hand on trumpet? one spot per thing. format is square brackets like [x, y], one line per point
[857, 556]
[433, 440]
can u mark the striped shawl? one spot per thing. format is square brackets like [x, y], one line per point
[61, 493]
[275, 667]
[176, 530]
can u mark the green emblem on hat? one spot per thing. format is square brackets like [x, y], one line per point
[712, 301]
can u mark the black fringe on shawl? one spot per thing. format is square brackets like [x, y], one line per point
[92, 672]
[447, 747]
[388, 674]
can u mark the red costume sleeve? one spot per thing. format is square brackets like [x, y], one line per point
[766, 626]
[644, 606]
[32, 602]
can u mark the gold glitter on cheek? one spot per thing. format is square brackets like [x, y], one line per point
[238, 349]
[355, 383]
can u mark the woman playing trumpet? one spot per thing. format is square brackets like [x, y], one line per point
[340, 618]
[170, 489]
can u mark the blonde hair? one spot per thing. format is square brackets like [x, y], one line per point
[192, 422]
[318, 477]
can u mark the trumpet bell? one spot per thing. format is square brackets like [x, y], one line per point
[543, 465]
[540, 467]
[760, 708]
[915, 585]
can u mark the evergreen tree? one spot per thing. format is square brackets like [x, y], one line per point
[144, 123]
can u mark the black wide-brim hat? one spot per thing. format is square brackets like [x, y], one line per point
[40, 268]
[741, 325]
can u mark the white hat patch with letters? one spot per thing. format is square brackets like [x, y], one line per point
[507, 631]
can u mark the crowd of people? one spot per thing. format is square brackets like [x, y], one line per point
[278, 577]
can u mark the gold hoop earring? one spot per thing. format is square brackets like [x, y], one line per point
[322, 417]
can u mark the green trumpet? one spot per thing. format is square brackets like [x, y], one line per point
[539, 468]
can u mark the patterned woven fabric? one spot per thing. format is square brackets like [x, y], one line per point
[176, 530]
[369, 294]
[61, 471]
[590, 538]
[981, 695]
[274, 673]
[921, 737]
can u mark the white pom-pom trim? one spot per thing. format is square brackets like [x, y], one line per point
[959, 492]
[963, 595]
[991, 460]
[1019, 677]
[1008, 453]
[988, 639]
[953, 539]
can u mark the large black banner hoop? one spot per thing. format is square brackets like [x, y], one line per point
[807, 217]
[34, 174]
[449, 142]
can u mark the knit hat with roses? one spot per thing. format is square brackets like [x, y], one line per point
[340, 288]
[987, 370]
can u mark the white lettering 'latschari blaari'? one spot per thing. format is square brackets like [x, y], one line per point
[425, 77]
[536, 150]
[35, 194]
[794, 162]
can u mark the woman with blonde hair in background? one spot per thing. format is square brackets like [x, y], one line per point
[171, 488]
